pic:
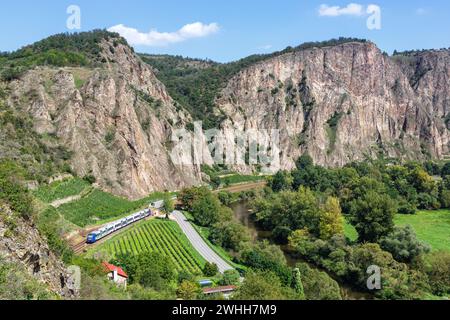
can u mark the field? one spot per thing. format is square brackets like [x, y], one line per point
[236, 178]
[156, 235]
[61, 189]
[432, 227]
[99, 206]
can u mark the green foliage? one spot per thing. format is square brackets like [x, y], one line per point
[297, 283]
[331, 219]
[60, 190]
[169, 205]
[373, 216]
[403, 244]
[98, 206]
[17, 284]
[188, 290]
[430, 226]
[61, 50]
[27, 148]
[13, 190]
[282, 180]
[230, 278]
[292, 210]
[229, 235]
[264, 285]
[206, 210]
[47, 223]
[156, 236]
[264, 256]
[318, 285]
[350, 263]
[149, 269]
[210, 269]
[437, 267]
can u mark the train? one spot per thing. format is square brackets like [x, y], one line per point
[112, 227]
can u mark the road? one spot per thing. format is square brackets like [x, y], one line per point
[199, 244]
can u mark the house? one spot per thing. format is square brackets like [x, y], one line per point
[226, 291]
[116, 274]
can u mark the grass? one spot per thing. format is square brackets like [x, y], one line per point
[432, 227]
[61, 189]
[237, 178]
[157, 235]
[350, 231]
[100, 207]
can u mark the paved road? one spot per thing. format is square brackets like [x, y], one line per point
[199, 244]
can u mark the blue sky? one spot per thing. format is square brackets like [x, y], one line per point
[232, 29]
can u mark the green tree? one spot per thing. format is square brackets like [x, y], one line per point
[169, 205]
[188, 290]
[282, 180]
[331, 219]
[373, 216]
[437, 267]
[318, 285]
[210, 269]
[206, 210]
[230, 277]
[403, 244]
[297, 283]
[262, 285]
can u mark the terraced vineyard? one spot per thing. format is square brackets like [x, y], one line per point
[61, 190]
[161, 236]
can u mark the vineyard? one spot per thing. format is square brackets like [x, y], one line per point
[61, 189]
[161, 236]
[99, 206]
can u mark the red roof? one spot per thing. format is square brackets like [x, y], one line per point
[111, 268]
[219, 289]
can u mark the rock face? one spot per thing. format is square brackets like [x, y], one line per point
[339, 104]
[116, 120]
[28, 249]
[345, 103]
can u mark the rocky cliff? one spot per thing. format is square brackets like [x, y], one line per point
[340, 103]
[116, 119]
[345, 103]
[22, 245]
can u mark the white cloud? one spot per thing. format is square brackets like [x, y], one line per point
[353, 9]
[154, 38]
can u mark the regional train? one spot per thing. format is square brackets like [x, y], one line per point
[117, 225]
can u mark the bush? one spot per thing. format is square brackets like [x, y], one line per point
[210, 269]
[318, 285]
[403, 244]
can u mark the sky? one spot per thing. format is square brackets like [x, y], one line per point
[227, 30]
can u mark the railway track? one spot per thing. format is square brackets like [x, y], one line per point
[79, 248]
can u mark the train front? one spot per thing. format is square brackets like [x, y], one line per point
[91, 238]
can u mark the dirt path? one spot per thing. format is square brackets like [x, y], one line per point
[60, 202]
[244, 187]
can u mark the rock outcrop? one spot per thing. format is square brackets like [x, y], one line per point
[117, 120]
[21, 244]
[339, 104]
[345, 103]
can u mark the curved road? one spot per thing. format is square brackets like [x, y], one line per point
[199, 244]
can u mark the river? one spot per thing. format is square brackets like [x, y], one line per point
[243, 214]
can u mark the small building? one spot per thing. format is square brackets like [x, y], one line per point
[116, 274]
[225, 291]
[205, 283]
